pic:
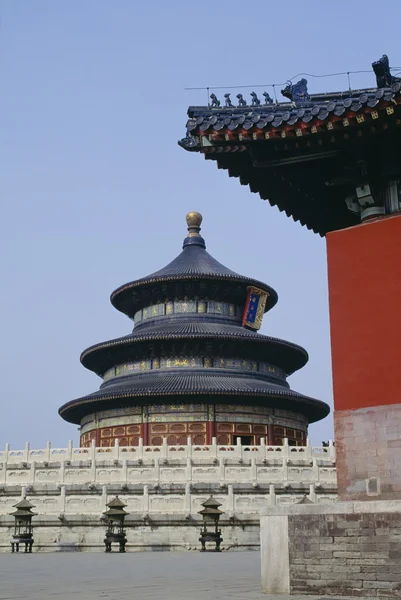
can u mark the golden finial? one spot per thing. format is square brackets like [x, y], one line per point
[194, 220]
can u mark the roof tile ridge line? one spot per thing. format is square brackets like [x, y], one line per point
[260, 337]
[381, 101]
[125, 394]
[319, 98]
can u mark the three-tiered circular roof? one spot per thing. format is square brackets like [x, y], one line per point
[212, 336]
[194, 270]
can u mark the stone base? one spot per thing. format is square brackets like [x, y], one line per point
[368, 444]
[342, 549]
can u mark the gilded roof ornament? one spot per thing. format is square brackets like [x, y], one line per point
[194, 220]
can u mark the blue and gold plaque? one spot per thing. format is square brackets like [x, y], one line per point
[254, 308]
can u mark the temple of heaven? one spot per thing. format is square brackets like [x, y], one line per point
[194, 365]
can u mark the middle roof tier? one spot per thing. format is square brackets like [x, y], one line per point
[201, 338]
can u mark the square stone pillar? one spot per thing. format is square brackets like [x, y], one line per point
[341, 549]
[364, 271]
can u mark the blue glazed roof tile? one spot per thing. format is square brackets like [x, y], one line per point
[164, 384]
[319, 106]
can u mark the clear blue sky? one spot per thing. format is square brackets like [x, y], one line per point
[94, 188]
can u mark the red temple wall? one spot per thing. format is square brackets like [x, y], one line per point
[200, 433]
[364, 270]
[176, 421]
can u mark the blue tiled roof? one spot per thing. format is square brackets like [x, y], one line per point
[194, 263]
[305, 156]
[287, 355]
[192, 384]
[319, 107]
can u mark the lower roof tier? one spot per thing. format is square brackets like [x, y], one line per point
[209, 339]
[210, 387]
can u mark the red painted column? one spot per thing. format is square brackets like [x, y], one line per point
[211, 423]
[145, 434]
[210, 431]
[364, 270]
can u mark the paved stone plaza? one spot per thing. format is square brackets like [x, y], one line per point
[144, 576]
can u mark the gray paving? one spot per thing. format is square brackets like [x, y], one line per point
[142, 575]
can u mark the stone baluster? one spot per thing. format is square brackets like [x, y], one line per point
[188, 470]
[62, 499]
[62, 471]
[116, 449]
[187, 499]
[140, 449]
[254, 471]
[213, 448]
[230, 501]
[308, 450]
[145, 499]
[104, 498]
[92, 454]
[47, 456]
[332, 451]
[262, 448]
[222, 470]
[272, 495]
[156, 476]
[284, 476]
[26, 452]
[32, 472]
[312, 493]
[5, 461]
[23, 491]
[164, 449]
[285, 449]
[92, 450]
[69, 450]
[315, 470]
[267, 453]
[125, 471]
[189, 446]
[238, 449]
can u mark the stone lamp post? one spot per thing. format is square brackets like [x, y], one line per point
[23, 530]
[115, 516]
[210, 531]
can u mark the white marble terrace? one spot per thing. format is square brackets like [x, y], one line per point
[252, 465]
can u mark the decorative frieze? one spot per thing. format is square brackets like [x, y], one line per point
[192, 307]
[182, 362]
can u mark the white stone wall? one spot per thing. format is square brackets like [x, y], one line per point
[163, 488]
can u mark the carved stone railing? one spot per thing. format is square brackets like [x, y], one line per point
[163, 465]
[158, 481]
[188, 450]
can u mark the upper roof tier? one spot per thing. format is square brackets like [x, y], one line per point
[193, 273]
[327, 160]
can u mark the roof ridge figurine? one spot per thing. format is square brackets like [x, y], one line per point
[215, 101]
[296, 92]
[255, 99]
[381, 69]
[241, 100]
